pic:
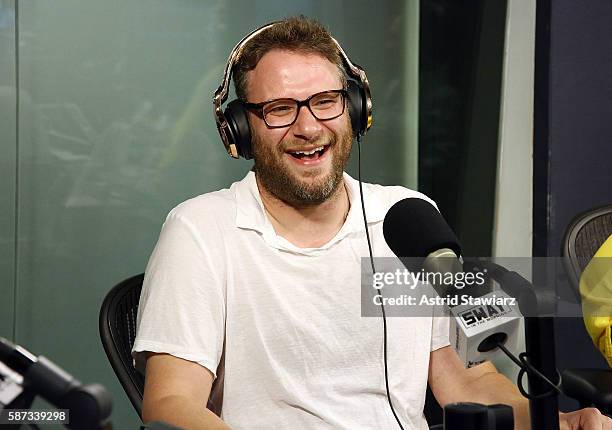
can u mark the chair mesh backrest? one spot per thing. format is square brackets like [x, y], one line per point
[585, 234]
[118, 331]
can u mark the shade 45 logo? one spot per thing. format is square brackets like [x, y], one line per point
[481, 314]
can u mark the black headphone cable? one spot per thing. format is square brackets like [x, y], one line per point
[382, 306]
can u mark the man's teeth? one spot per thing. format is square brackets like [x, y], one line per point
[320, 148]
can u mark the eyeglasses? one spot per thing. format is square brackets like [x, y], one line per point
[279, 113]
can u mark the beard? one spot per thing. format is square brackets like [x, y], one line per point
[276, 175]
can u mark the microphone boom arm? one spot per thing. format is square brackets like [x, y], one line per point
[539, 359]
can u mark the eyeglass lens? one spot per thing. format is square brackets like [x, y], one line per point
[323, 106]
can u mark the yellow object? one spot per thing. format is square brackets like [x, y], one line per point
[596, 292]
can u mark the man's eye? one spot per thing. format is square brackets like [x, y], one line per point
[326, 102]
[279, 110]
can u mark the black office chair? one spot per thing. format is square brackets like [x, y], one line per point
[118, 331]
[583, 237]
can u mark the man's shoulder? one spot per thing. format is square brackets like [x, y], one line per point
[218, 204]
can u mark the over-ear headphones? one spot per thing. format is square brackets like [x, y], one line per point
[233, 124]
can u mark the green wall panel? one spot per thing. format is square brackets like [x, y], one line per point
[8, 148]
[116, 128]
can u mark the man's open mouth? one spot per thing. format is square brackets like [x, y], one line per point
[312, 154]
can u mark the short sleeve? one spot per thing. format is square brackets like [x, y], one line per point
[182, 305]
[440, 328]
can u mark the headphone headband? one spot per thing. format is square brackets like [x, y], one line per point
[358, 73]
[221, 94]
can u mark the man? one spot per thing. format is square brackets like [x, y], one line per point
[264, 277]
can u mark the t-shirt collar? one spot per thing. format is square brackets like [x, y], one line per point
[250, 213]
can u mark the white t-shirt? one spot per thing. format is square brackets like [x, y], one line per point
[298, 353]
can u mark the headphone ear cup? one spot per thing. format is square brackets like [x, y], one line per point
[357, 108]
[239, 130]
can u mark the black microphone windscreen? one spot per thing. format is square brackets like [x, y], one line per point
[413, 227]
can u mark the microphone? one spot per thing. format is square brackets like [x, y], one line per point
[474, 416]
[89, 405]
[478, 326]
[413, 227]
[40, 374]
[481, 319]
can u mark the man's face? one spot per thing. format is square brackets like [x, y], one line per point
[294, 178]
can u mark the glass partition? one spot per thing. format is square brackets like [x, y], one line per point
[8, 146]
[115, 128]
[106, 122]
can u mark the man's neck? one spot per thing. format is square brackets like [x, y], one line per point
[310, 226]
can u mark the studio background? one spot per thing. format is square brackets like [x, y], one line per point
[106, 123]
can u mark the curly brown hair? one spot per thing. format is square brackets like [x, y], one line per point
[298, 34]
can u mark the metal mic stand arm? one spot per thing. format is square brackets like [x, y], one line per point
[537, 308]
[89, 405]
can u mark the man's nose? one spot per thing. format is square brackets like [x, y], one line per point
[306, 125]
